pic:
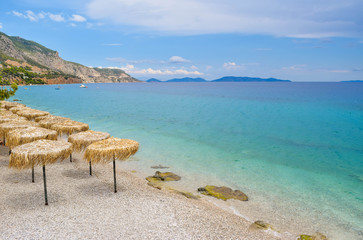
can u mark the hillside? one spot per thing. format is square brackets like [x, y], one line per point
[48, 66]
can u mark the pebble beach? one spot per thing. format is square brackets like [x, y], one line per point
[85, 207]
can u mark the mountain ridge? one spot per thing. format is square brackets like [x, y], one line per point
[40, 59]
[222, 79]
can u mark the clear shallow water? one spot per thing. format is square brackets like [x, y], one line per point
[295, 148]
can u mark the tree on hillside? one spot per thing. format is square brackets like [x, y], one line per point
[6, 92]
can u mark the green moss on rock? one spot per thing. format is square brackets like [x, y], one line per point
[223, 193]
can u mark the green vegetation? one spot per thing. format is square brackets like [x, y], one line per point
[30, 46]
[109, 71]
[7, 92]
[11, 74]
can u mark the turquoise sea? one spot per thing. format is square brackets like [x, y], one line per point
[296, 149]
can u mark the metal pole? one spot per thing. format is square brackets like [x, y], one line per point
[70, 157]
[32, 173]
[90, 168]
[114, 174]
[45, 186]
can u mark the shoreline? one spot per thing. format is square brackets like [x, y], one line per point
[221, 205]
[87, 208]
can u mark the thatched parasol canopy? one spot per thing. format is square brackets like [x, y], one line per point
[4, 112]
[8, 126]
[18, 108]
[111, 149]
[31, 113]
[48, 121]
[82, 139]
[9, 105]
[40, 152]
[11, 118]
[69, 127]
[30, 134]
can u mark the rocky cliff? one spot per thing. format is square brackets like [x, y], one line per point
[25, 52]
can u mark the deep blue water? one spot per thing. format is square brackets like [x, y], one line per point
[299, 145]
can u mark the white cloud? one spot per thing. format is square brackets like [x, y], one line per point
[303, 19]
[1, 25]
[73, 25]
[18, 14]
[232, 66]
[297, 67]
[131, 69]
[56, 17]
[177, 59]
[77, 18]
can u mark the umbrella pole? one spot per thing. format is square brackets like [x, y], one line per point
[114, 174]
[90, 168]
[70, 157]
[45, 186]
[32, 173]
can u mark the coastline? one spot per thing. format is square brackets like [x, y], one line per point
[81, 206]
[260, 207]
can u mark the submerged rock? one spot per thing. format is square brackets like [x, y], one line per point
[223, 193]
[159, 167]
[157, 180]
[185, 194]
[260, 225]
[316, 236]
[166, 176]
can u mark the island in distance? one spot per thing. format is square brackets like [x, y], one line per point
[223, 79]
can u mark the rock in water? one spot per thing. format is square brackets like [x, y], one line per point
[158, 178]
[316, 236]
[223, 193]
[260, 225]
[167, 176]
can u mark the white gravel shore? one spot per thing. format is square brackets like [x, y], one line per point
[85, 207]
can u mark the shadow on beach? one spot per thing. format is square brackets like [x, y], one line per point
[32, 200]
[98, 188]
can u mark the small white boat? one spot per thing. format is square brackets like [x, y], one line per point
[83, 86]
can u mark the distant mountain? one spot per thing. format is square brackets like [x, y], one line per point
[153, 80]
[46, 65]
[353, 81]
[248, 79]
[187, 79]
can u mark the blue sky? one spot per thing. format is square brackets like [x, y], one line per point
[307, 40]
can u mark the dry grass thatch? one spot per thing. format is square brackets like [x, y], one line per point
[8, 126]
[39, 118]
[11, 118]
[69, 127]
[81, 140]
[40, 152]
[9, 105]
[31, 113]
[18, 108]
[4, 112]
[48, 121]
[112, 148]
[30, 134]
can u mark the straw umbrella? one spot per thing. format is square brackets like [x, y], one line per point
[41, 152]
[111, 149]
[82, 139]
[47, 121]
[11, 125]
[9, 105]
[31, 113]
[30, 134]
[18, 108]
[68, 127]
